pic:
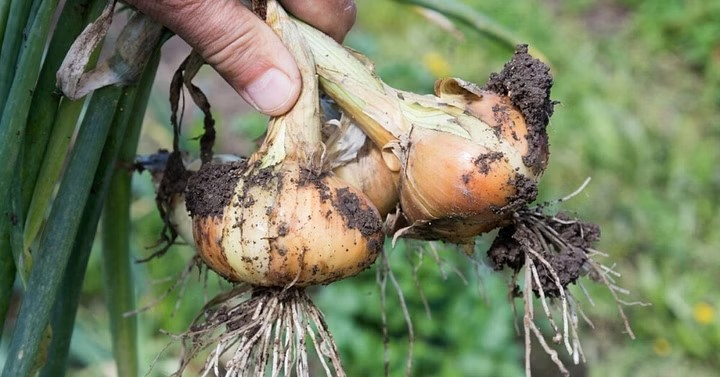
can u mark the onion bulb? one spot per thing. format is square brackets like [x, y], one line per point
[281, 225]
[455, 186]
[282, 218]
[468, 156]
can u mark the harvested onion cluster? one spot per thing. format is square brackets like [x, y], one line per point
[448, 166]
[315, 202]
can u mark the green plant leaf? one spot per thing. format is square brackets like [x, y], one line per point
[18, 101]
[64, 126]
[23, 258]
[58, 238]
[7, 274]
[4, 10]
[65, 307]
[116, 231]
[42, 122]
[17, 18]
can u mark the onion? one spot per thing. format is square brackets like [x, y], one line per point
[455, 186]
[274, 224]
[282, 218]
[280, 226]
[468, 157]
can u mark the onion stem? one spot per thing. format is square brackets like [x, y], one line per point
[356, 94]
[382, 112]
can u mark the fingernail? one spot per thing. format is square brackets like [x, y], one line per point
[270, 92]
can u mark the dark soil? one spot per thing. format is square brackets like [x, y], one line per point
[262, 178]
[174, 180]
[501, 116]
[568, 266]
[259, 7]
[210, 190]
[505, 251]
[484, 161]
[527, 81]
[577, 233]
[356, 215]
[308, 176]
[565, 252]
[525, 192]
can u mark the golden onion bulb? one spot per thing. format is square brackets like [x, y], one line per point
[282, 225]
[453, 188]
[469, 156]
[456, 186]
[280, 219]
[467, 177]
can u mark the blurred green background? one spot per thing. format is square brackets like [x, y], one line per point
[639, 90]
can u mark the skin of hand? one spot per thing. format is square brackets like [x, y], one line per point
[243, 49]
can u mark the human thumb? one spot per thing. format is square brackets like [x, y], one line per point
[240, 46]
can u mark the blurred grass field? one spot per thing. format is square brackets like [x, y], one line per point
[639, 90]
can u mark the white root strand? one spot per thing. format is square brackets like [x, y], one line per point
[563, 297]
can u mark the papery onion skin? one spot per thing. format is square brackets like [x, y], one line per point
[284, 226]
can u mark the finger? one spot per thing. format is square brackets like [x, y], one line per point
[240, 46]
[333, 17]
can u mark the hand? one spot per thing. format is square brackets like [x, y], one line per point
[242, 48]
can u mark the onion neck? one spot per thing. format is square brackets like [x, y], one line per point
[382, 112]
[355, 87]
[295, 135]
